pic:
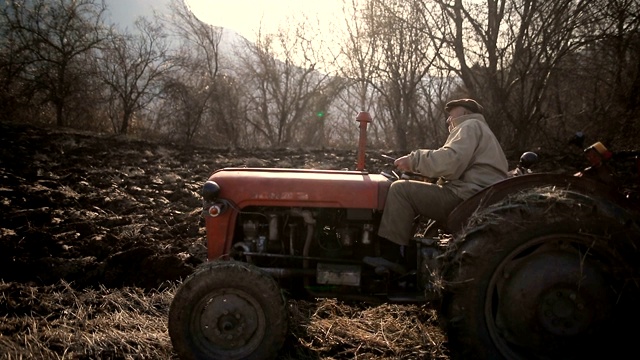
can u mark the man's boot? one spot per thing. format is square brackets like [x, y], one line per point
[391, 257]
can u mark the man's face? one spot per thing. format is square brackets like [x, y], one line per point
[454, 113]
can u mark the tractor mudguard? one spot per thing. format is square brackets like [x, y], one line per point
[498, 191]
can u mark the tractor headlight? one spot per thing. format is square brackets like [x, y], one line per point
[210, 191]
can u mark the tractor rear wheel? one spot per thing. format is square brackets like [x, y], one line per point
[545, 274]
[228, 310]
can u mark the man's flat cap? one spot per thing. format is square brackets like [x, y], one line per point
[468, 104]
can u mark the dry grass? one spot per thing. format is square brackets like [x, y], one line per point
[356, 331]
[60, 322]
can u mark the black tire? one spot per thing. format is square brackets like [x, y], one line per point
[545, 274]
[228, 310]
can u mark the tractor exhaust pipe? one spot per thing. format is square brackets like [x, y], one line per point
[363, 118]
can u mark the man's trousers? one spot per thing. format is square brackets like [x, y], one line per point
[407, 199]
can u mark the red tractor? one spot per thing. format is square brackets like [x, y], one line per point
[537, 266]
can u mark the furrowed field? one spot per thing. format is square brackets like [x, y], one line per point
[97, 232]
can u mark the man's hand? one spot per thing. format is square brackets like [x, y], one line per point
[403, 163]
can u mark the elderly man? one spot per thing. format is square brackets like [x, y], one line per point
[469, 160]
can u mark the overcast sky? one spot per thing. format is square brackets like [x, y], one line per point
[248, 17]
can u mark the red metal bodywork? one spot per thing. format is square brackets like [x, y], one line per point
[246, 187]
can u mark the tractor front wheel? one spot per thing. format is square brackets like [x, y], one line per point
[228, 310]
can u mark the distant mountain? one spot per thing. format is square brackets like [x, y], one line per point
[124, 12]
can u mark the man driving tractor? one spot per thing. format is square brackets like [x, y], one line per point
[470, 159]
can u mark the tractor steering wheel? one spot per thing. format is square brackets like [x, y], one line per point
[403, 175]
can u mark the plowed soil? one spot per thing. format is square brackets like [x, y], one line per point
[97, 231]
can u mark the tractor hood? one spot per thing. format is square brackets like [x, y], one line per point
[303, 188]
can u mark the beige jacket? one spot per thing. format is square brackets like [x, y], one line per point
[470, 160]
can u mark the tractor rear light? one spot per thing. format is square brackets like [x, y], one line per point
[216, 209]
[597, 154]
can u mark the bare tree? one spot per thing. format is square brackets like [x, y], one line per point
[184, 107]
[597, 89]
[131, 66]
[13, 62]
[199, 42]
[284, 91]
[505, 52]
[192, 89]
[57, 34]
[387, 56]
[225, 114]
[359, 59]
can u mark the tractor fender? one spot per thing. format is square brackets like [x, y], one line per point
[496, 192]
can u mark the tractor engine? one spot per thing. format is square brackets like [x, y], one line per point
[323, 245]
[305, 232]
